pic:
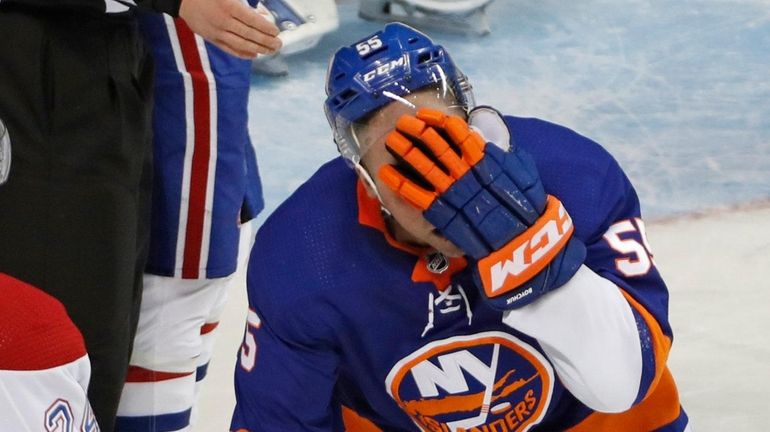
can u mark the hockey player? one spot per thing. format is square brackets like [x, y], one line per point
[44, 368]
[476, 272]
[205, 185]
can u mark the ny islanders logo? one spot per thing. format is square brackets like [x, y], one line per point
[487, 382]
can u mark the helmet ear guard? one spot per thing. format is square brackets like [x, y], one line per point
[387, 66]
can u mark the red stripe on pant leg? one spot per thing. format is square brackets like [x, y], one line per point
[137, 374]
[201, 152]
[208, 328]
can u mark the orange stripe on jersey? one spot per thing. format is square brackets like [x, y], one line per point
[659, 409]
[660, 342]
[355, 423]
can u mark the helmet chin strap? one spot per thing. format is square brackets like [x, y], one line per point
[370, 182]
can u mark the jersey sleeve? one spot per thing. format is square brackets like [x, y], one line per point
[54, 396]
[619, 252]
[44, 368]
[611, 339]
[287, 368]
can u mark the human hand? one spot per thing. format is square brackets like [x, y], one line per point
[489, 202]
[232, 26]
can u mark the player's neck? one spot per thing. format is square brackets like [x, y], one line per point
[400, 234]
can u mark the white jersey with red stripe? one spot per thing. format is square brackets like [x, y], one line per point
[174, 343]
[206, 178]
[44, 368]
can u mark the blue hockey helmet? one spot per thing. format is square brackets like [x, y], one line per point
[385, 67]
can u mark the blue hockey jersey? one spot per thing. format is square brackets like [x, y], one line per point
[342, 315]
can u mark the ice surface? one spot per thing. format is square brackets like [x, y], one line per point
[717, 269]
[677, 90]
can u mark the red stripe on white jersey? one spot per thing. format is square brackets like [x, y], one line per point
[201, 152]
[208, 327]
[137, 374]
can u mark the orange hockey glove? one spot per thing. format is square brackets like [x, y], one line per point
[489, 202]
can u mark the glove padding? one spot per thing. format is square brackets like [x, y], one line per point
[487, 201]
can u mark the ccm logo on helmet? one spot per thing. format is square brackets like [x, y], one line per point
[529, 253]
[384, 69]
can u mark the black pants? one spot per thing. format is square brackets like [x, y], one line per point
[74, 214]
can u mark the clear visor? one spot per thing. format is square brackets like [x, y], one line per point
[355, 138]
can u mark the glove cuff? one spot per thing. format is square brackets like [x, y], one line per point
[527, 254]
